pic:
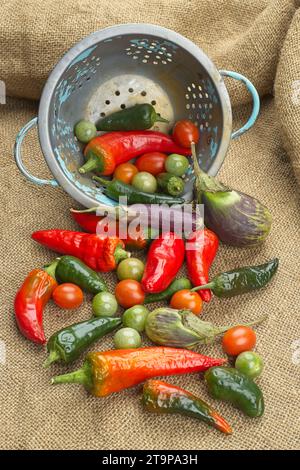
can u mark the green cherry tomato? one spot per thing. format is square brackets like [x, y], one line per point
[85, 131]
[130, 268]
[127, 338]
[177, 164]
[135, 317]
[144, 181]
[104, 305]
[249, 363]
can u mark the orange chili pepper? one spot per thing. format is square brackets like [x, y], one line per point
[107, 372]
[30, 300]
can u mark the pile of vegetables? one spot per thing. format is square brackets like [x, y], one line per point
[155, 177]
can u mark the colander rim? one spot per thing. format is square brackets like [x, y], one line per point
[93, 39]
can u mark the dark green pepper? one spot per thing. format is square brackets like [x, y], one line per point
[71, 269]
[170, 184]
[137, 118]
[229, 384]
[161, 397]
[241, 281]
[67, 344]
[175, 286]
[116, 188]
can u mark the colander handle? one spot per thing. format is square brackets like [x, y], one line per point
[255, 97]
[18, 155]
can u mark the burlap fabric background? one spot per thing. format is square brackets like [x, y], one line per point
[259, 38]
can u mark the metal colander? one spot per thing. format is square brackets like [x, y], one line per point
[116, 68]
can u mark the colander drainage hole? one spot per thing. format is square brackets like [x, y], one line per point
[123, 106]
[153, 102]
[143, 93]
[130, 90]
[117, 93]
[107, 102]
[102, 114]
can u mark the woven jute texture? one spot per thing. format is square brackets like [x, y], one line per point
[258, 38]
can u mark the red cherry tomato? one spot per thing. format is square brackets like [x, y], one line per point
[152, 162]
[68, 296]
[185, 132]
[185, 299]
[125, 172]
[238, 339]
[129, 293]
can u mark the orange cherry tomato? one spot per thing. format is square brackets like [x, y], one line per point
[152, 162]
[129, 293]
[125, 172]
[238, 339]
[185, 132]
[185, 299]
[68, 296]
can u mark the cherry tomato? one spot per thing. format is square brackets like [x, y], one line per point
[185, 132]
[125, 172]
[145, 182]
[238, 339]
[152, 162]
[185, 299]
[68, 296]
[129, 293]
[249, 363]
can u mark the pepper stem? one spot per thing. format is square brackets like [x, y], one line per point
[209, 285]
[100, 180]
[81, 376]
[94, 162]
[53, 357]
[51, 268]
[161, 119]
[120, 254]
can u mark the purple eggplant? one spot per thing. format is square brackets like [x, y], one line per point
[237, 218]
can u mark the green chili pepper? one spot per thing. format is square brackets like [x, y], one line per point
[138, 117]
[241, 281]
[170, 184]
[67, 344]
[71, 269]
[175, 286]
[229, 384]
[116, 188]
[161, 397]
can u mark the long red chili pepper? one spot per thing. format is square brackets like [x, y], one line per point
[165, 257]
[30, 300]
[99, 253]
[89, 222]
[105, 152]
[201, 248]
[111, 371]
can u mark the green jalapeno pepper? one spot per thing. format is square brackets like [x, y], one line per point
[67, 344]
[72, 269]
[137, 118]
[170, 184]
[175, 286]
[229, 384]
[116, 188]
[162, 397]
[241, 281]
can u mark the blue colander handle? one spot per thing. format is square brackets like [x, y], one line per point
[255, 97]
[18, 155]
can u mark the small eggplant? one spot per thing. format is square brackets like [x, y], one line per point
[237, 218]
[183, 329]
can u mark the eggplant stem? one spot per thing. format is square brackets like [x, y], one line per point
[223, 329]
[204, 182]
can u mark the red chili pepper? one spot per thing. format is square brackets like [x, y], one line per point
[30, 300]
[107, 372]
[199, 257]
[165, 257]
[105, 152]
[89, 223]
[99, 253]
